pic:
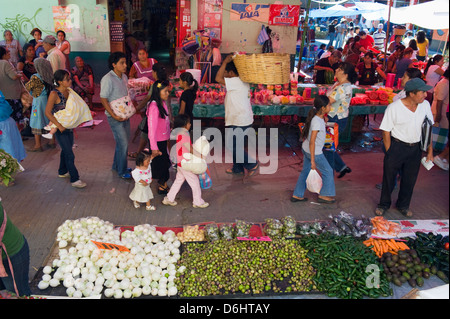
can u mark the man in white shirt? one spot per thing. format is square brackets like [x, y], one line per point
[238, 116]
[379, 37]
[56, 58]
[402, 129]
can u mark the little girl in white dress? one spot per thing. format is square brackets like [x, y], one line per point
[142, 176]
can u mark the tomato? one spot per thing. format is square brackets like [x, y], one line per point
[446, 246]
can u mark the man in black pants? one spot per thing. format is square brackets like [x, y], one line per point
[401, 127]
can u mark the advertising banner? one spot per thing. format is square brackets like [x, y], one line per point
[281, 14]
[250, 12]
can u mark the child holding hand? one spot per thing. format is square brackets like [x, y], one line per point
[142, 176]
[183, 124]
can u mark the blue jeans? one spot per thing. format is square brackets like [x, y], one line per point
[121, 133]
[339, 40]
[331, 37]
[21, 265]
[328, 188]
[333, 157]
[239, 162]
[67, 157]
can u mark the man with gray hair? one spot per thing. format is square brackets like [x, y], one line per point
[54, 55]
[327, 64]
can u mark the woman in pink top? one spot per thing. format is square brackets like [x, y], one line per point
[159, 133]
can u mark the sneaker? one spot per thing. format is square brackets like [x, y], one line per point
[204, 205]
[47, 128]
[441, 163]
[126, 176]
[79, 184]
[136, 204]
[151, 207]
[48, 136]
[166, 201]
[64, 175]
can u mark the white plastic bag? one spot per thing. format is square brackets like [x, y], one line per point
[314, 182]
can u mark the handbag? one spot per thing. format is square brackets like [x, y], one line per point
[425, 138]
[439, 137]
[205, 179]
[123, 107]
[331, 136]
[143, 126]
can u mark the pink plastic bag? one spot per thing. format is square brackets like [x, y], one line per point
[314, 182]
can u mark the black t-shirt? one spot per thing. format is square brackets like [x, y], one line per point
[189, 98]
[320, 74]
[28, 67]
[331, 28]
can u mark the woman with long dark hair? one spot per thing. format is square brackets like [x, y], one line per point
[187, 98]
[159, 133]
[433, 72]
[422, 44]
[313, 135]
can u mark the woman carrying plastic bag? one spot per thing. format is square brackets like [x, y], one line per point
[314, 160]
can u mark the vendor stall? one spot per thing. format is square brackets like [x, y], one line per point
[342, 257]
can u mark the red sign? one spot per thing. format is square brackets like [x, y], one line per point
[109, 246]
[281, 14]
[184, 20]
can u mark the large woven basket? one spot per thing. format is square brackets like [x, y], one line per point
[264, 68]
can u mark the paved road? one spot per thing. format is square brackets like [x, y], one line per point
[40, 201]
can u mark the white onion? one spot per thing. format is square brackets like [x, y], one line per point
[47, 270]
[146, 290]
[109, 292]
[54, 282]
[172, 291]
[43, 284]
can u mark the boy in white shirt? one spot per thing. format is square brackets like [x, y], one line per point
[402, 128]
[238, 116]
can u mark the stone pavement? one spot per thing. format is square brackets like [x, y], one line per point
[40, 201]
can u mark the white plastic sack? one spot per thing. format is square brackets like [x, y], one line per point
[195, 164]
[314, 182]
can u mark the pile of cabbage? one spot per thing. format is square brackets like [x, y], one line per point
[149, 268]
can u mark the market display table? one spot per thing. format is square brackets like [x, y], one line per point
[211, 111]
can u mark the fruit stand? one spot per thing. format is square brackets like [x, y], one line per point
[343, 257]
[291, 99]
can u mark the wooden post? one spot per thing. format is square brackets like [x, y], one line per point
[387, 36]
[305, 29]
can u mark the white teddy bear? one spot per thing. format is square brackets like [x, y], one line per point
[194, 163]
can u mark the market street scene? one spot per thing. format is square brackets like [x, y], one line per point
[193, 151]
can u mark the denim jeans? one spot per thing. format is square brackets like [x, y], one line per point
[331, 37]
[333, 157]
[121, 133]
[67, 157]
[239, 162]
[339, 41]
[328, 188]
[21, 265]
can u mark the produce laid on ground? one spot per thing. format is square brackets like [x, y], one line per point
[433, 250]
[147, 264]
[341, 257]
[344, 266]
[382, 246]
[224, 267]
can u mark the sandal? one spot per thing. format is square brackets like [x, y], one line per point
[230, 171]
[163, 190]
[39, 149]
[253, 171]
[406, 212]
[295, 199]
[380, 211]
[151, 207]
[325, 201]
[132, 154]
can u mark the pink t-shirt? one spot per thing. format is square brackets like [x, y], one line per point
[182, 138]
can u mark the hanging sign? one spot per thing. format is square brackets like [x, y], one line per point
[250, 12]
[281, 14]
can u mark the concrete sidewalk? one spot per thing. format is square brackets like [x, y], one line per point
[40, 201]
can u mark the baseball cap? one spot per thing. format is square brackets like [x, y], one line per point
[417, 84]
[50, 40]
[380, 25]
